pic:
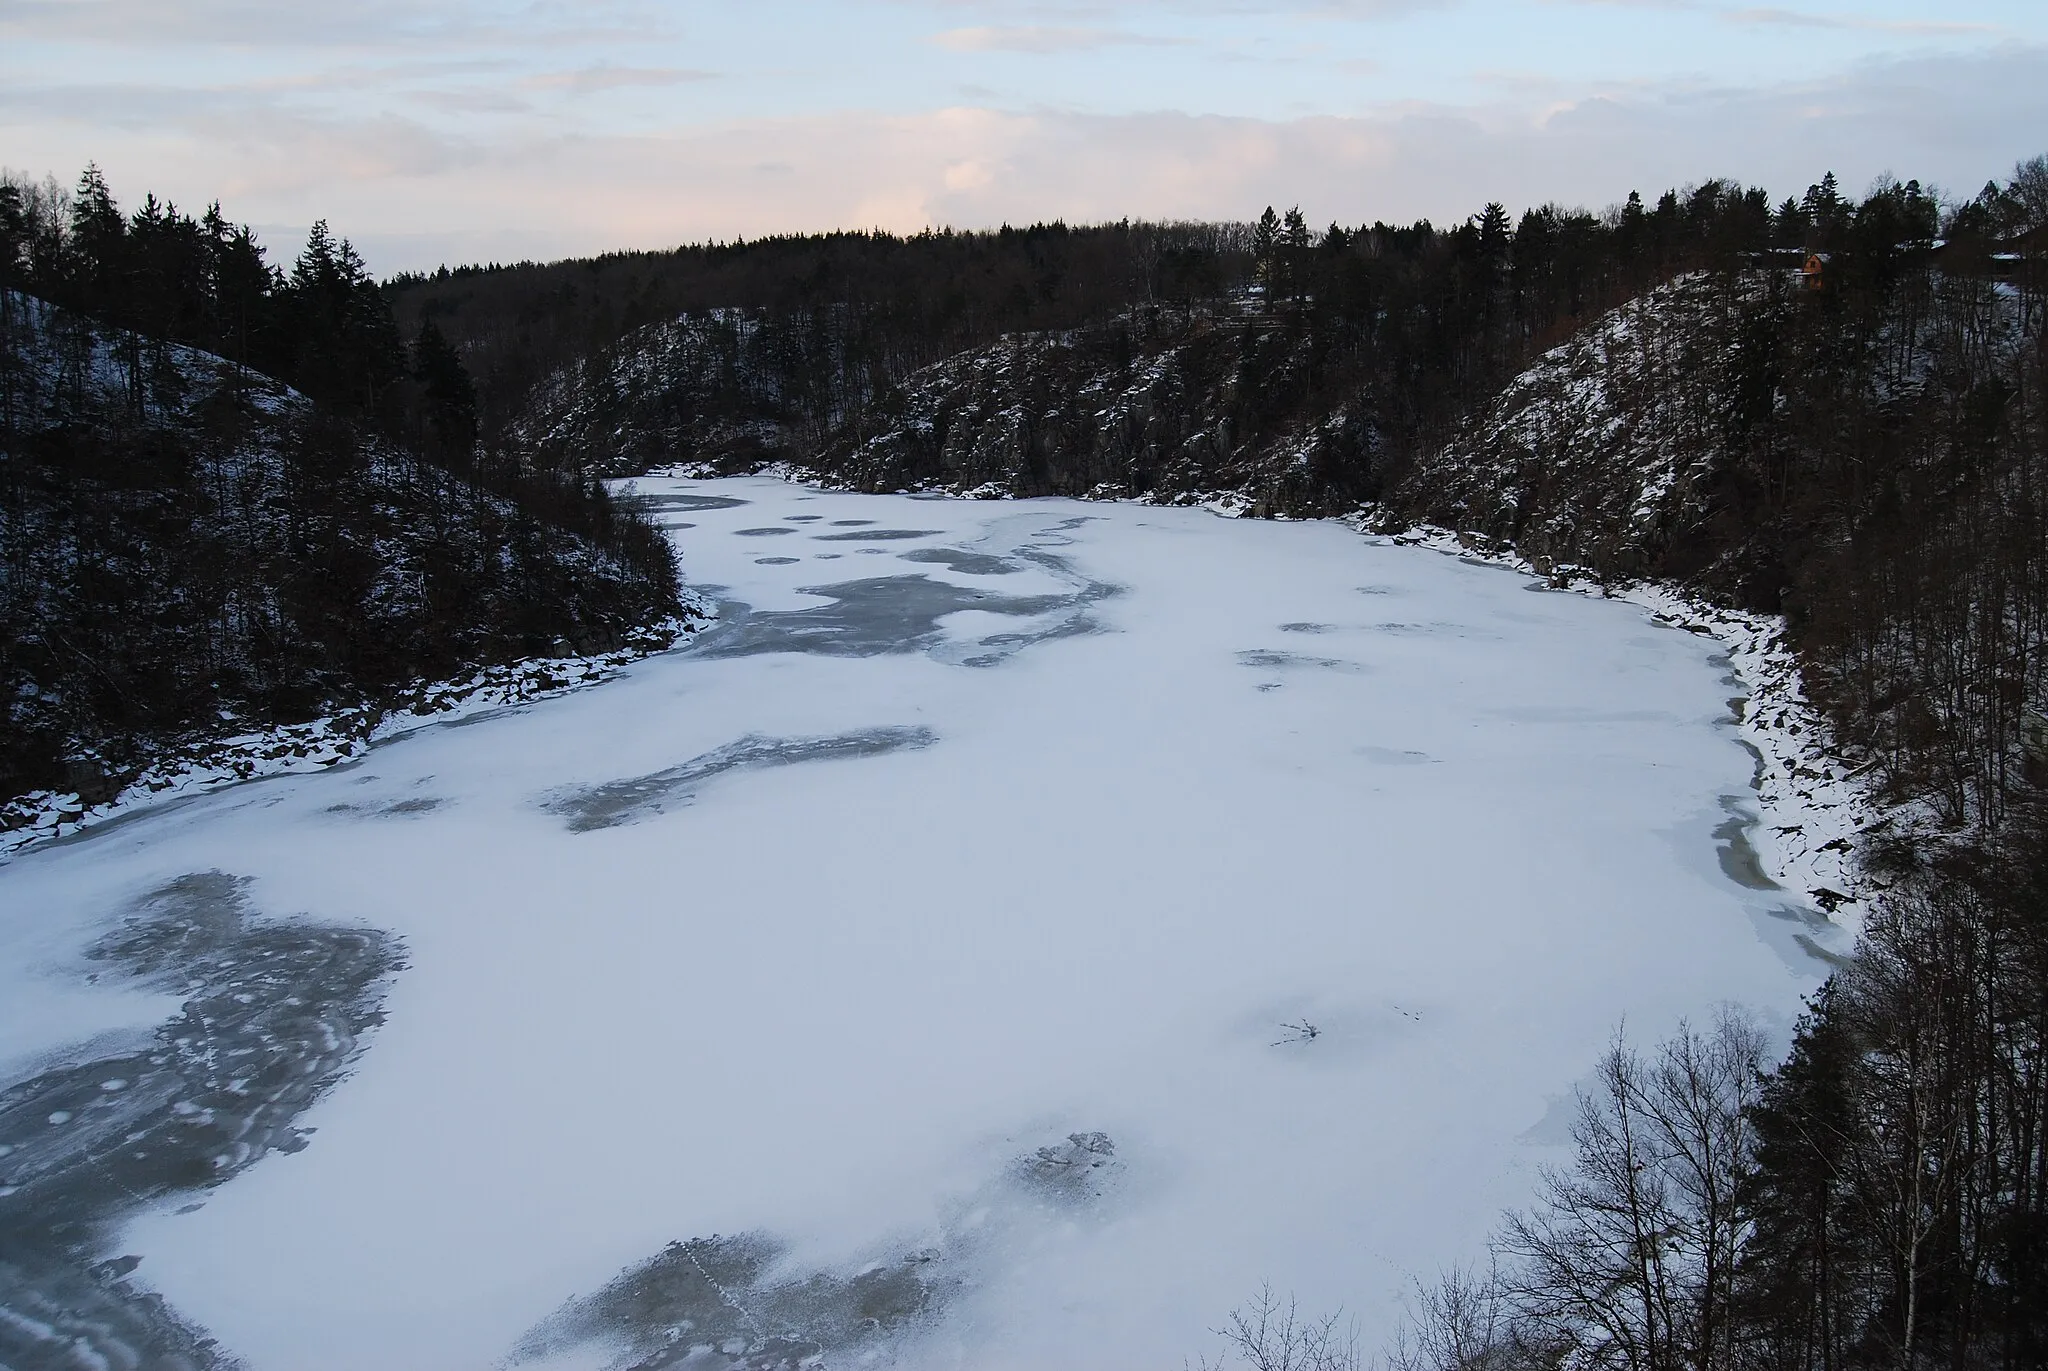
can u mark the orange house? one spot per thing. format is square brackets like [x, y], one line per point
[1811, 273]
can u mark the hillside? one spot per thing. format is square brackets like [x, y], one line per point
[1149, 402]
[194, 549]
[1607, 450]
[1145, 404]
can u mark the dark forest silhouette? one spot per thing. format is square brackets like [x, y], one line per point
[192, 550]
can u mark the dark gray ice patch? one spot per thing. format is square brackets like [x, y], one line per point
[962, 561]
[1572, 714]
[638, 797]
[879, 535]
[801, 518]
[1306, 628]
[851, 523]
[1078, 621]
[760, 532]
[717, 1302]
[273, 1015]
[1739, 862]
[1796, 934]
[886, 614]
[1056, 536]
[686, 504]
[1273, 660]
[734, 1303]
[424, 804]
[775, 561]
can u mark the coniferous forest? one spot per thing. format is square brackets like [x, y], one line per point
[236, 489]
[235, 496]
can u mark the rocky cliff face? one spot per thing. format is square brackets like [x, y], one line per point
[1153, 402]
[718, 386]
[1610, 450]
[1230, 400]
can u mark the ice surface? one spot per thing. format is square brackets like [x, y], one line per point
[948, 1022]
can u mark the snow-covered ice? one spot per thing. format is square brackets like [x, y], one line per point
[925, 947]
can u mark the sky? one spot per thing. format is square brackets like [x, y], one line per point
[450, 131]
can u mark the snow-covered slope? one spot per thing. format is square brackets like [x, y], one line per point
[1605, 451]
[1156, 402]
[718, 385]
[1162, 410]
[195, 553]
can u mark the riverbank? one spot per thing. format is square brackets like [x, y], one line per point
[43, 815]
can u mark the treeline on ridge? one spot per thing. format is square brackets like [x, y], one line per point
[191, 549]
[804, 342]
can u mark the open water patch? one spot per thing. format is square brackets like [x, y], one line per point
[273, 1014]
[638, 797]
[761, 532]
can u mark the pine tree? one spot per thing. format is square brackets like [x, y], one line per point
[96, 242]
[450, 395]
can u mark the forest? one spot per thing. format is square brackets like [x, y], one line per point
[1846, 393]
[813, 337]
[233, 496]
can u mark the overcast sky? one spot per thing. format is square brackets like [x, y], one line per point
[461, 130]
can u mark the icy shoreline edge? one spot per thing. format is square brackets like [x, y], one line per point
[42, 816]
[1813, 807]
[1812, 804]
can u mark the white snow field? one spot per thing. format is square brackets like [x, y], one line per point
[974, 830]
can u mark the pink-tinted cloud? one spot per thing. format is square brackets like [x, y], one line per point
[414, 193]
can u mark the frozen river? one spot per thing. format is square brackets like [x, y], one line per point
[915, 968]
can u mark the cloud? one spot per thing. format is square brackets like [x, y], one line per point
[602, 78]
[1034, 38]
[1771, 16]
[414, 193]
[1343, 9]
[1804, 20]
[359, 26]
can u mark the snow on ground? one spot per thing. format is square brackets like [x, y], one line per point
[916, 948]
